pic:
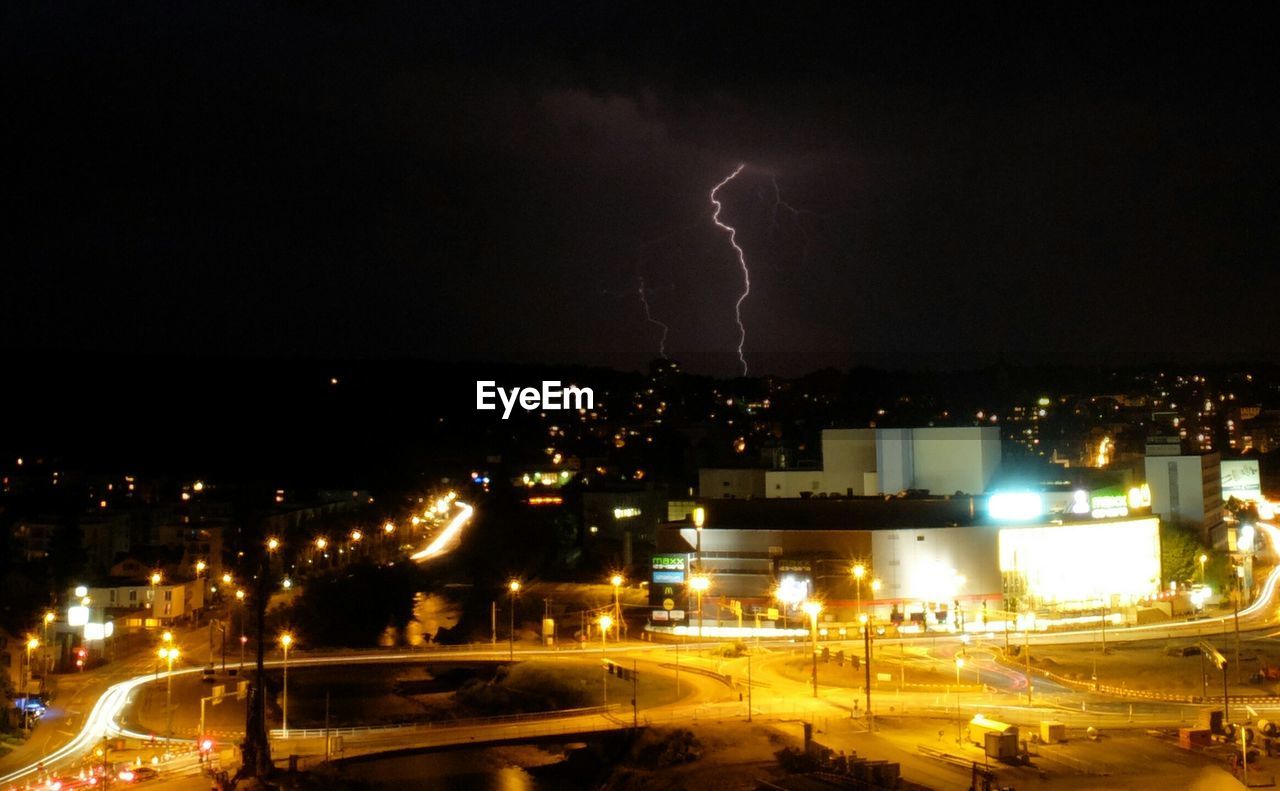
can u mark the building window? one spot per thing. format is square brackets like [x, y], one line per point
[168, 596]
[133, 596]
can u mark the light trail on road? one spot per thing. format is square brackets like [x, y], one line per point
[448, 537]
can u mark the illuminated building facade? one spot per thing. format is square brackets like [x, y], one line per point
[936, 562]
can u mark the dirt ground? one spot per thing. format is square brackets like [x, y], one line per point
[1146, 666]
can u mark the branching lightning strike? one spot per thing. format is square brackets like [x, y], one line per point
[648, 316]
[742, 262]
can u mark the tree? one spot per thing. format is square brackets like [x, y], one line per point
[1180, 550]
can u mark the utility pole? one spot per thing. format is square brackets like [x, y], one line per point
[748, 687]
[635, 697]
[866, 641]
[493, 621]
[1026, 651]
[1239, 592]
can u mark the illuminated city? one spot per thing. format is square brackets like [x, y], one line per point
[628, 397]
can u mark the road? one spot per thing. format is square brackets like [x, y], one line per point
[106, 717]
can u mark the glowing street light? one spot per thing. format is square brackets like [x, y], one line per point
[286, 640]
[606, 623]
[273, 544]
[700, 584]
[226, 578]
[1203, 559]
[200, 567]
[812, 608]
[356, 535]
[321, 543]
[155, 578]
[513, 587]
[859, 571]
[169, 653]
[959, 664]
[389, 528]
[616, 581]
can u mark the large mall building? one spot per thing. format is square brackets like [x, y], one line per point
[941, 544]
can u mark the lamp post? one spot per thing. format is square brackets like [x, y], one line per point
[700, 584]
[959, 664]
[286, 640]
[866, 647]
[616, 581]
[812, 608]
[699, 519]
[514, 587]
[605, 622]
[48, 663]
[32, 644]
[1203, 559]
[859, 571]
[155, 581]
[169, 654]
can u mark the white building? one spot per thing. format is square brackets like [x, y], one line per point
[863, 462]
[731, 483]
[138, 604]
[1186, 489]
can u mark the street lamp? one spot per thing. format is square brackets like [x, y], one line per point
[812, 608]
[169, 654]
[32, 644]
[959, 664]
[155, 580]
[200, 567]
[286, 640]
[514, 587]
[273, 544]
[1203, 559]
[859, 571]
[700, 584]
[699, 519]
[616, 581]
[48, 619]
[605, 622]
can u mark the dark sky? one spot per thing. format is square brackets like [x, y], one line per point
[486, 181]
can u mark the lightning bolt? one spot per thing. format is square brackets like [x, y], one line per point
[644, 300]
[742, 262]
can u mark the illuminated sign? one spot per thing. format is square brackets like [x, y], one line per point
[551, 500]
[625, 513]
[1080, 502]
[1140, 496]
[668, 576]
[1015, 506]
[1241, 479]
[673, 562]
[77, 616]
[1108, 505]
[99, 631]
[1078, 563]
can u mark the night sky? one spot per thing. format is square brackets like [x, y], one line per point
[484, 181]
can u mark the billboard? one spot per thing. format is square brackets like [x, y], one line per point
[1241, 479]
[1080, 563]
[667, 586]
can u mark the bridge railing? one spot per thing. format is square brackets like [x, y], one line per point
[311, 733]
